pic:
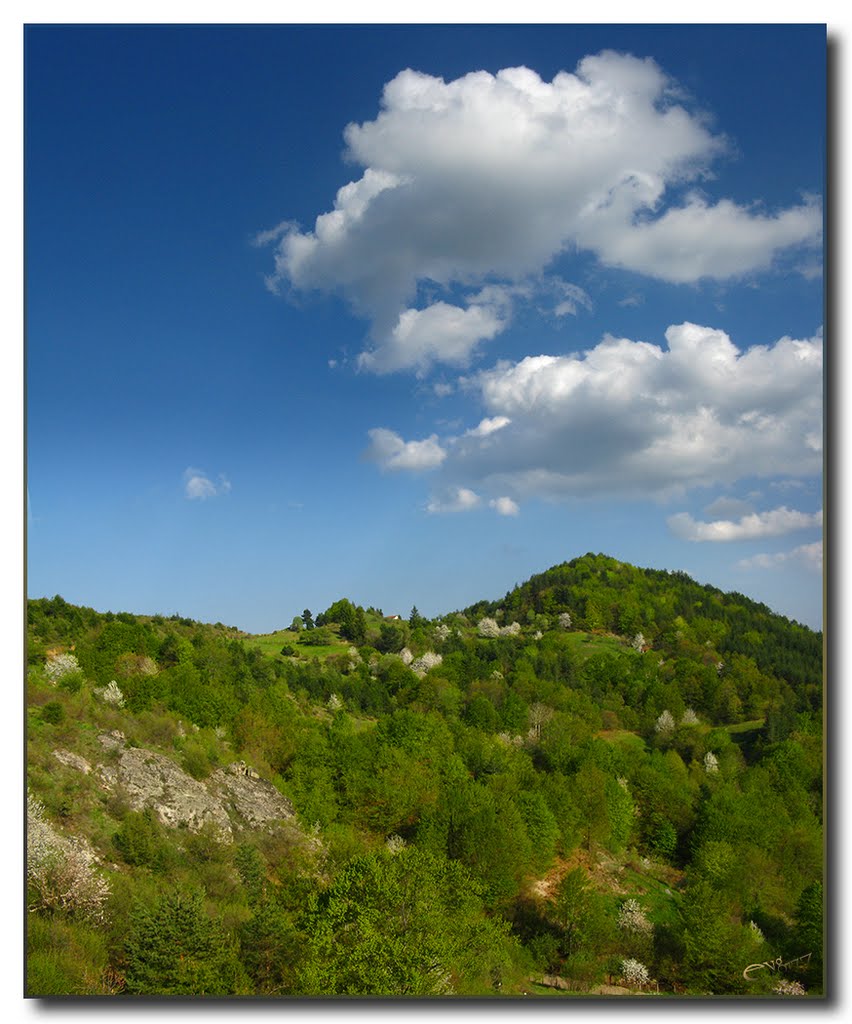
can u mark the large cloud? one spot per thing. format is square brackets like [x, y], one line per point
[630, 417]
[489, 177]
[755, 525]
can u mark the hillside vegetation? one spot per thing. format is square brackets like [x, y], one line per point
[610, 781]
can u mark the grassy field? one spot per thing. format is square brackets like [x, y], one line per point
[585, 645]
[271, 644]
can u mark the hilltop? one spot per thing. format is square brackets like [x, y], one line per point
[611, 779]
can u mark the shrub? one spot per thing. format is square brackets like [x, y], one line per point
[110, 694]
[72, 682]
[634, 973]
[59, 665]
[53, 713]
[140, 842]
[60, 875]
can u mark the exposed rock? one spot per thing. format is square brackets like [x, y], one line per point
[232, 797]
[152, 780]
[70, 760]
[255, 802]
[113, 740]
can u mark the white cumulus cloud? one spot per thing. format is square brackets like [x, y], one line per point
[505, 506]
[484, 180]
[391, 452]
[440, 333]
[198, 486]
[633, 418]
[808, 555]
[753, 526]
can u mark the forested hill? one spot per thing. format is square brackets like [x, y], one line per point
[608, 782]
[602, 594]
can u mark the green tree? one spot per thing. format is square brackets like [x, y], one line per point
[578, 912]
[140, 841]
[808, 932]
[307, 618]
[409, 924]
[175, 949]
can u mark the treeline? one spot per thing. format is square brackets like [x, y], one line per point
[439, 769]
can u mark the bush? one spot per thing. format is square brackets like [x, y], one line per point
[60, 876]
[72, 682]
[140, 842]
[53, 713]
[319, 637]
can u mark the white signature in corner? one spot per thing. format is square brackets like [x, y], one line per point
[775, 965]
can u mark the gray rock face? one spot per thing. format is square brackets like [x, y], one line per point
[152, 780]
[233, 797]
[255, 802]
[71, 760]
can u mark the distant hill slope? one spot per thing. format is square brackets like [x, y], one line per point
[601, 593]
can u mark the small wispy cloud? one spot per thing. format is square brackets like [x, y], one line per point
[197, 486]
[489, 426]
[757, 525]
[457, 499]
[808, 555]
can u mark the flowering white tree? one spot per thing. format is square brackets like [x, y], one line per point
[565, 620]
[110, 694]
[788, 988]
[442, 632]
[488, 628]
[395, 844]
[631, 918]
[60, 875]
[334, 703]
[406, 655]
[638, 642]
[689, 717]
[755, 932]
[59, 665]
[711, 763]
[634, 973]
[539, 715]
[513, 629]
[538, 635]
[426, 661]
[665, 724]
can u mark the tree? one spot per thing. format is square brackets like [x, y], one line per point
[809, 932]
[307, 619]
[392, 636]
[60, 875]
[402, 923]
[415, 619]
[175, 949]
[577, 911]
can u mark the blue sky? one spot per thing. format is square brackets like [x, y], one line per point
[576, 307]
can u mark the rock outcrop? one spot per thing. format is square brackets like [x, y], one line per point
[232, 798]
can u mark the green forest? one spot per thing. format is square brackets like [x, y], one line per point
[607, 783]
